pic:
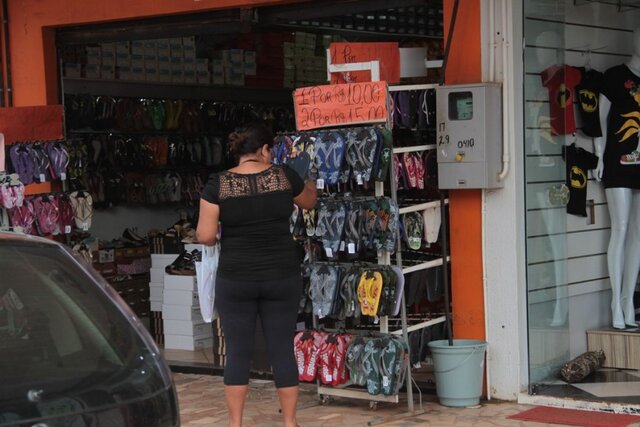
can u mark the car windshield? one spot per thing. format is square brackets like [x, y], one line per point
[64, 345]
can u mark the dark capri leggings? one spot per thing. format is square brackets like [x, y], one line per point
[239, 303]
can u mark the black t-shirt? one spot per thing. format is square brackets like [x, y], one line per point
[578, 161]
[256, 243]
[587, 93]
[622, 88]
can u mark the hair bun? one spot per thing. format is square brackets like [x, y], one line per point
[236, 141]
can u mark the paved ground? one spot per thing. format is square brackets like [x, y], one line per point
[202, 404]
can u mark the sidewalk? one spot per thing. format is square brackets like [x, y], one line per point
[202, 403]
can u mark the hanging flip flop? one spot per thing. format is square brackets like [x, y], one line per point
[329, 156]
[413, 228]
[371, 366]
[83, 209]
[46, 214]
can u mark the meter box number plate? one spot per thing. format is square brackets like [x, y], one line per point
[469, 139]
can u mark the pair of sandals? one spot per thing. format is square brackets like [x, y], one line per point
[324, 289]
[363, 148]
[53, 214]
[331, 221]
[413, 229]
[11, 191]
[39, 162]
[414, 108]
[332, 367]
[306, 345]
[378, 363]
[379, 291]
[184, 264]
[410, 170]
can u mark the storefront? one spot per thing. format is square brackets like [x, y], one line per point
[527, 277]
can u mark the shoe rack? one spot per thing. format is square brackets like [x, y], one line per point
[385, 259]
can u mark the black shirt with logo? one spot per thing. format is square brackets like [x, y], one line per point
[578, 162]
[587, 93]
[622, 88]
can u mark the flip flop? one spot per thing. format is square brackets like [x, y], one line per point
[329, 156]
[386, 154]
[413, 228]
[410, 169]
[340, 372]
[371, 366]
[326, 359]
[399, 289]
[354, 355]
[300, 164]
[388, 362]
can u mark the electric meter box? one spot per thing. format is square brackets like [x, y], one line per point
[469, 137]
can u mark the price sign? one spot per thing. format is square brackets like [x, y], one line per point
[387, 53]
[342, 104]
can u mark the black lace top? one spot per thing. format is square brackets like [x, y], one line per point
[254, 212]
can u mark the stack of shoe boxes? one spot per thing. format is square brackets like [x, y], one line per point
[156, 292]
[156, 285]
[184, 328]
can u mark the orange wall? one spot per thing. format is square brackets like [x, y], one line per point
[32, 43]
[464, 66]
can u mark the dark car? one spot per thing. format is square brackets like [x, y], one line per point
[71, 351]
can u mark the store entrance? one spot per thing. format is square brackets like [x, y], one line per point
[568, 222]
[148, 107]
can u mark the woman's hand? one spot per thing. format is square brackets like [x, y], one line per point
[307, 198]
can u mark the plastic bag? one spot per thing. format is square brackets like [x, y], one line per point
[206, 278]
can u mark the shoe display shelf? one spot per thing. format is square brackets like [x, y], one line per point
[428, 319]
[384, 258]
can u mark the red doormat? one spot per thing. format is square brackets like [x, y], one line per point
[575, 417]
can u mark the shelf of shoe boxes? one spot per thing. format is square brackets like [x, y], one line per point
[265, 60]
[178, 323]
[127, 271]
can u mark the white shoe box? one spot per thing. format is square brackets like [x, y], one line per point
[188, 327]
[157, 275]
[181, 312]
[186, 298]
[180, 283]
[160, 261]
[155, 293]
[155, 305]
[185, 342]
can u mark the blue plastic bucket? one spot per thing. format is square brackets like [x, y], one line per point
[459, 371]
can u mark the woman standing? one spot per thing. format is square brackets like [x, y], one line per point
[259, 270]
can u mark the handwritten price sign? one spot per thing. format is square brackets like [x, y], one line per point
[342, 104]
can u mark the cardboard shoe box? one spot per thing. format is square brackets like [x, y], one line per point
[185, 342]
[181, 312]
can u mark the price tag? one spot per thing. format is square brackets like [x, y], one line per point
[385, 381]
[359, 179]
[42, 178]
[342, 245]
[85, 226]
[376, 320]
[351, 248]
[63, 176]
[67, 229]
[329, 252]
[320, 183]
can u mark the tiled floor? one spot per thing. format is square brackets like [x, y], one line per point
[612, 385]
[202, 403]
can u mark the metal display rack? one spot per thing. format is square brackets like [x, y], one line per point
[384, 258]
